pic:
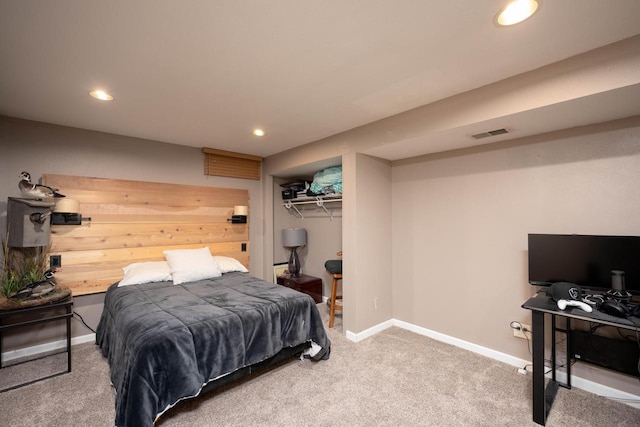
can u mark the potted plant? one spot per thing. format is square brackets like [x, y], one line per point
[20, 267]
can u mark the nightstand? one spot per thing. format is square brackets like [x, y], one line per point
[307, 284]
[60, 310]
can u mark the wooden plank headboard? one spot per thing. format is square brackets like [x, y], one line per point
[134, 221]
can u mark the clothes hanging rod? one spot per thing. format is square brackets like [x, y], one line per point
[319, 201]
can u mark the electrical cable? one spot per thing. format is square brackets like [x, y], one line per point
[518, 327]
[83, 322]
[636, 325]
[593, 327]
[637, 330]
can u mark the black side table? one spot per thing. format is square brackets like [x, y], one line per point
[10, 319]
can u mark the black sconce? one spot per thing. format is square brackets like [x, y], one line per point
[239, 215]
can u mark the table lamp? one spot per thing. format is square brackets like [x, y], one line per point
[294, 238]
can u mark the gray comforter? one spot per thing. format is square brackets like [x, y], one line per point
[164, 342]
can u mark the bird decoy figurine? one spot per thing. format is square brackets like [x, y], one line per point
[38, 289]
[39, 217]
[36, 191]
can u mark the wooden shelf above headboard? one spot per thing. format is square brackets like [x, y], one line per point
[134, 221]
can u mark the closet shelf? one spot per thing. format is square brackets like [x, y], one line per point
[318, 201]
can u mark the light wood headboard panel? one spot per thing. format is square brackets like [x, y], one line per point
[133, 221]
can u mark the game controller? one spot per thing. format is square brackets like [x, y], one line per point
[615, 308]
[563, 303]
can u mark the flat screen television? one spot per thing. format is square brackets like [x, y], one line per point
[584, 260]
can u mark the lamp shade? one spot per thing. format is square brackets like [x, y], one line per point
[294, 237]
[241, 210]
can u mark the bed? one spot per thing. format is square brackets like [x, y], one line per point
[166, 342]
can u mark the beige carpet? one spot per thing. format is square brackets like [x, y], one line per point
[395, 378]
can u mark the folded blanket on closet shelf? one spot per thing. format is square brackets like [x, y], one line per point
[327, 181]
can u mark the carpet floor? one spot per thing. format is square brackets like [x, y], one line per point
[395, 378]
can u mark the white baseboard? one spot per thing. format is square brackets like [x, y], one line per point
[369, 332]
[43, 348]
[485, 351]
[581, 383]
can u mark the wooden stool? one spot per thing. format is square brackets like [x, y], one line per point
[334, 267]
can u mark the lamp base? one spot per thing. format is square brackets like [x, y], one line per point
[294, 263]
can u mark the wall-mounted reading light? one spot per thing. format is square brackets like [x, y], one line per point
[66, 213]
[239, 215]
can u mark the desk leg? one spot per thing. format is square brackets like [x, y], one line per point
[553, 348]
[537, 342]
[0, 344]
[568, 349]
[69, 339]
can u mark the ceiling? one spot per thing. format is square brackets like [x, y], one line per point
[206, 73]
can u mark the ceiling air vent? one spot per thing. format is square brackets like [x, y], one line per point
[489, 133]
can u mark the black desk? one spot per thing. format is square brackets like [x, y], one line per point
[51, 312]
[539, 305]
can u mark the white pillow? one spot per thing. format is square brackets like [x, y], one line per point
[145, 272]
[189, 265]
[228, 264]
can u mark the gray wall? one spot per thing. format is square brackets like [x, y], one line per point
[369, 275]
[461, 219]
[41, 148]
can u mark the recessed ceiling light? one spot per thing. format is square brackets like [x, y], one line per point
[516, 11]
[259, 132]
[101, 95]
